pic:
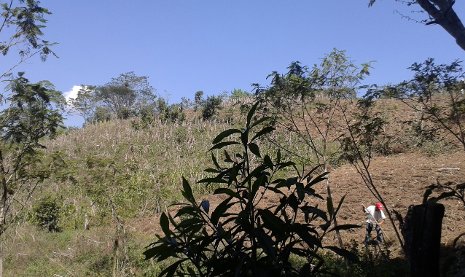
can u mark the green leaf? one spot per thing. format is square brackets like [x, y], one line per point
[259, 121]
[220, 210]
[329, 203]
[161, 250]
[165, 225]
[291, 181]
[344, 227]
[309, 173]
[227, 157]
[245, 137]
[172, 221]
[461, 186]
[272, 222]
[186, 210]
[189, 223]
[215, 161]
[446, 195]
[343, 253]
[212, 170]
[306, 236]
[225, 134]
[300, 191]
[187, 191]
[251, 113]
[260, 181]
[317, 179]
[223, 144]
[314, 210]
[170, 270]
[263, 132]
[191, 271]
[227, 192]
[258, 171]
[254, 149]
[265, 242]
[293, 202]
[268, 162]
[340, 204]
[286, 164]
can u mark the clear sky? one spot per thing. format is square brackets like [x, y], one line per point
[217, 45]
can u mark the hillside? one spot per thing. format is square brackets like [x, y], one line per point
[116, 179]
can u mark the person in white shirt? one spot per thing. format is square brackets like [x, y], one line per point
[374, 218]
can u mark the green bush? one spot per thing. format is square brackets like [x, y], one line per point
[47, 214]
[242, 236]
[210, 107]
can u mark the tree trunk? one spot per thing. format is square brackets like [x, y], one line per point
[423, 238]
[444, 15]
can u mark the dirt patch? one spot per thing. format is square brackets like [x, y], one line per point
[401, 179]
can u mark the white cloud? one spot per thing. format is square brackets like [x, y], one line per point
[72, 94]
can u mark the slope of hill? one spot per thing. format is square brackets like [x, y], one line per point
[115, 179]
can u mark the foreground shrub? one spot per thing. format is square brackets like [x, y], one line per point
[242, 236]
[47, 214]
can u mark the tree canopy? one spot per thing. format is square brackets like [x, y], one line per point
[21, 27]
[124, 96]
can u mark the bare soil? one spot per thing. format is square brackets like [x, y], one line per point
[401, 179]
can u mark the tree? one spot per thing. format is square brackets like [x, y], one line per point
[239, 95]
[440, 12]
[31, 109]
[22, 21]
[32, 114]
[363, 129]
[436, 92]
[198, 99]
[307, 102]
[211, 106]
[85, 103]
[125, 95]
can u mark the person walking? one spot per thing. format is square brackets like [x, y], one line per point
[374, 218]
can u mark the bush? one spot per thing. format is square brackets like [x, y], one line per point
[210, 107]
[242, 236]
[47, 214]
[101, 114]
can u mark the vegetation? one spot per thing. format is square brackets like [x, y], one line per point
[241, 236]
[123, 97]
[95, 191]
[114, 174]
[436, 94]
[47, 214]
[22, 37]
[29, 117]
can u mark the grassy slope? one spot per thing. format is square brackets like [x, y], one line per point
[139, 172]
[114, 170]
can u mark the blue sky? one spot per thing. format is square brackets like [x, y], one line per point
[217, 45]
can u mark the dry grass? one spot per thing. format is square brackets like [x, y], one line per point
[112, 169]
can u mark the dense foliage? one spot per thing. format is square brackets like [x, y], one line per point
[239, 236]
[125, 96]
